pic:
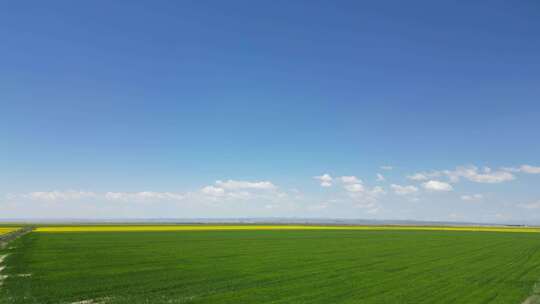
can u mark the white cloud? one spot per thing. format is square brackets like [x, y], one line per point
[318, 207]
[236, 190]
[367, 200]
[530, 206]
[116, 196]
[160, 195]
[59, 195]
[213, 191]
[417, 177]
[511, 169]
[380, 177]
[377, 191]
[423, 176]
[208, 201]
[71, 195]
[354, 187]
[325, 180]
[434, 185]
[471, 173]
[503, 216]
[236, 185]
[364, 197]
[404, 190]
[472, 197]
[240, 195]
[387, 167]
[373, 210]
[350, 180]
[142, 196]
[523, 168]
[530, 169]
[227, 190]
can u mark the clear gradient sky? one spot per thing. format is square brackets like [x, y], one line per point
[377, 110]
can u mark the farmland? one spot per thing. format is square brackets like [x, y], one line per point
[269, 264]
[4, 230]
[129, 228]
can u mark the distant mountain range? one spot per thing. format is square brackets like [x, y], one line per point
[259, 220]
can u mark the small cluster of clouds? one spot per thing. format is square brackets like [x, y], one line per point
[472, 197]
[240, 190]
[230, 189]
[445, 180]
[242, 185]
[78, 195]
[351, 180]
[325, 180]
[471, 173]
[368, 197]
[143, 196]
[435, 185]
[352, 184]
[530, 206]
[524, 169]
[475, 174]
[432, 181]
[404, 190]
[57, 195]
[234, 198]
[431, 185]
[363, 196]
[441, 181]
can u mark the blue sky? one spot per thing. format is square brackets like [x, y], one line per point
[138, 109]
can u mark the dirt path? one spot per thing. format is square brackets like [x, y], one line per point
[4, 240]
[532, 300]
[2, 277]
[535, 297]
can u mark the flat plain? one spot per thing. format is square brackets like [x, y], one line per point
[258, 265]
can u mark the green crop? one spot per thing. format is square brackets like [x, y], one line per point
[311, 266]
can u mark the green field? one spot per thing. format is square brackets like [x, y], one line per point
[269, 266]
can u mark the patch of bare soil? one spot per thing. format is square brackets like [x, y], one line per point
[2, 277]
[535, 297]
[4, 239]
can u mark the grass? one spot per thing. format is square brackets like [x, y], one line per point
[272, 266]
[142, 228]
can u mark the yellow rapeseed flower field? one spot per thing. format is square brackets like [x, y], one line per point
[4, 230]
[139, 228]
